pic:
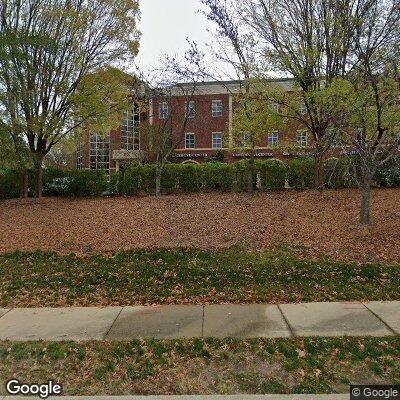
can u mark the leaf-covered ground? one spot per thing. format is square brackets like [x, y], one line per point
[189, 276]
[316, 222]
[207, 366]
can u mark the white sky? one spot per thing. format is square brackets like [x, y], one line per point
[165, 25]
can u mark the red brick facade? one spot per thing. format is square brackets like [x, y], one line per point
[203, 125]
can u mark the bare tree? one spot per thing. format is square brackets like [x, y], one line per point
[235, 47]
[166, 131]
[168, 95]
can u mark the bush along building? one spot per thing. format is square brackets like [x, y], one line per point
[200, 122]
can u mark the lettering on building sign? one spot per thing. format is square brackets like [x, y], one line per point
[190, 155]
[255, 155]
[298, 153]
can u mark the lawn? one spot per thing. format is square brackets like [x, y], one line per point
[189, 276]
[206, 366]
[316, 222]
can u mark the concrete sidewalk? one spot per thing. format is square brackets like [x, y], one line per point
[170, 322]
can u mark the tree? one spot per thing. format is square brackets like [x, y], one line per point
[310, 41]
[368, 100]
[55, 74]
[14, 154]
[374, 126]
[161, 137]
[253, 118]
[237, 49]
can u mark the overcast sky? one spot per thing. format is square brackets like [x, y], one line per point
[165, 25]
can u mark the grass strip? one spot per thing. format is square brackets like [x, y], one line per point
[189, 276]
[209, 366]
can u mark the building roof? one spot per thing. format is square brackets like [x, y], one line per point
[227, 87]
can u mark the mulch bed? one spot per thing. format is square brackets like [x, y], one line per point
[314, 222]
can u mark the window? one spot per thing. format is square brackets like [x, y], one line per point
[79, 155]
[274, 107]
[217, 108]
[163, 110]
[302, 138]
[99, 152]
[130, 136]
[272, 138]
[190, 142]
[245, 139]
[303, 109]
[190, 109]
[217, 140]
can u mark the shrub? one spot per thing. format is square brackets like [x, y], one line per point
[190, 177]
[127, 182]
[218, 176]
[81, 183]
[275, 175]
[340, 173]
[147, 178]
[217, 156]
[388, 175]
[169, 178]
[55, 182]
[9, 184]
[240, 176]
[301, 173]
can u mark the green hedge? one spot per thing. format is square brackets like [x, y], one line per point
[218, 176]
[340, 173]
[301, 173]
[190, 178]
[74, 183]
[57, 182]
[272, 175]
[388, 175]
[9, 184]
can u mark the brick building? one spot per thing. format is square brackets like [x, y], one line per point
[209, 116]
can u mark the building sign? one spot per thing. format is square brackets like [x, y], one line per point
[244, 155]
[298, 153]
[190, 155]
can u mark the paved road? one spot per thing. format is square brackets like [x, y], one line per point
[175, 321]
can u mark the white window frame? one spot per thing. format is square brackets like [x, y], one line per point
[163, 110]
[215, 139]
[273, 138]
[130, 129]
[303, 109]
[216, 108]
[300, 138]
[99, 152]
[79, 155]
[187, 138]
[245, 139]
[190, 109]
[274, 107]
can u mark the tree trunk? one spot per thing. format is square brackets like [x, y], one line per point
[250, 170]
[365, 210]
[39, 175]
[319, 172]
[158, 180]
[23, 188]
